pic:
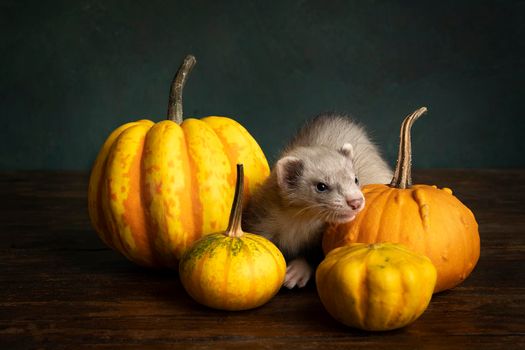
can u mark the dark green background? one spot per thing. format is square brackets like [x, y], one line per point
[72, 71]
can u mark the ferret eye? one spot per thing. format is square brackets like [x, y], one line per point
[321, 187]
[357, 181]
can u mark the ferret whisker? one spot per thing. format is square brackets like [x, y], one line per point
[333, 216]
[310, 207]
[325, 214]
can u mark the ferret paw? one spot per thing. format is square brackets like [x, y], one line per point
[298, 273]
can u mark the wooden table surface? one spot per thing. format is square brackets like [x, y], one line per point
[61, 288]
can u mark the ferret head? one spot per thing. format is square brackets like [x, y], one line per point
[320, 181]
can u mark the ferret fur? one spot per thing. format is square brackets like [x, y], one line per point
[287, 210]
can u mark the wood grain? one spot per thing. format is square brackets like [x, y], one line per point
[61, 288]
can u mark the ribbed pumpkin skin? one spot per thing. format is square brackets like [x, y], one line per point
[428, 220]
[232, 273]
[375, 287]
[156, 188]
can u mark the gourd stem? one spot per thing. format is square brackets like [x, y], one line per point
[234, 226]
[403, 172]
[177, 85]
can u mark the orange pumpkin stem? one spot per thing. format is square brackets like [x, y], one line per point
[403, 172]
[177, 85]
[234, 226]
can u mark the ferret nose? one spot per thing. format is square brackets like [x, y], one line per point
[354, 203]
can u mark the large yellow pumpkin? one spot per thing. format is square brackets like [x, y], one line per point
[429, 220]
[155, 188]
[375, 287]
[233, 270]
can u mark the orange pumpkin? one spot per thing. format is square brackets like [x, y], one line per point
[233, 270]
[155, 188]
[426, 219]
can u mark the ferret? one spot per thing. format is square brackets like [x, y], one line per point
[316, 181]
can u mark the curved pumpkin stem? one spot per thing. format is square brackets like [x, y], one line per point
[177, 85]
[403, 172]
[234, 226]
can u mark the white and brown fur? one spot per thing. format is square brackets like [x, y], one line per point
[291, 211]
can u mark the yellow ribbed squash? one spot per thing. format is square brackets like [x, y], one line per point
[375, 287]
[426, 219]
[155, 188]
[233, 270]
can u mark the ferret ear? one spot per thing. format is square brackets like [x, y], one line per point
[347, 150]
[288, 170]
